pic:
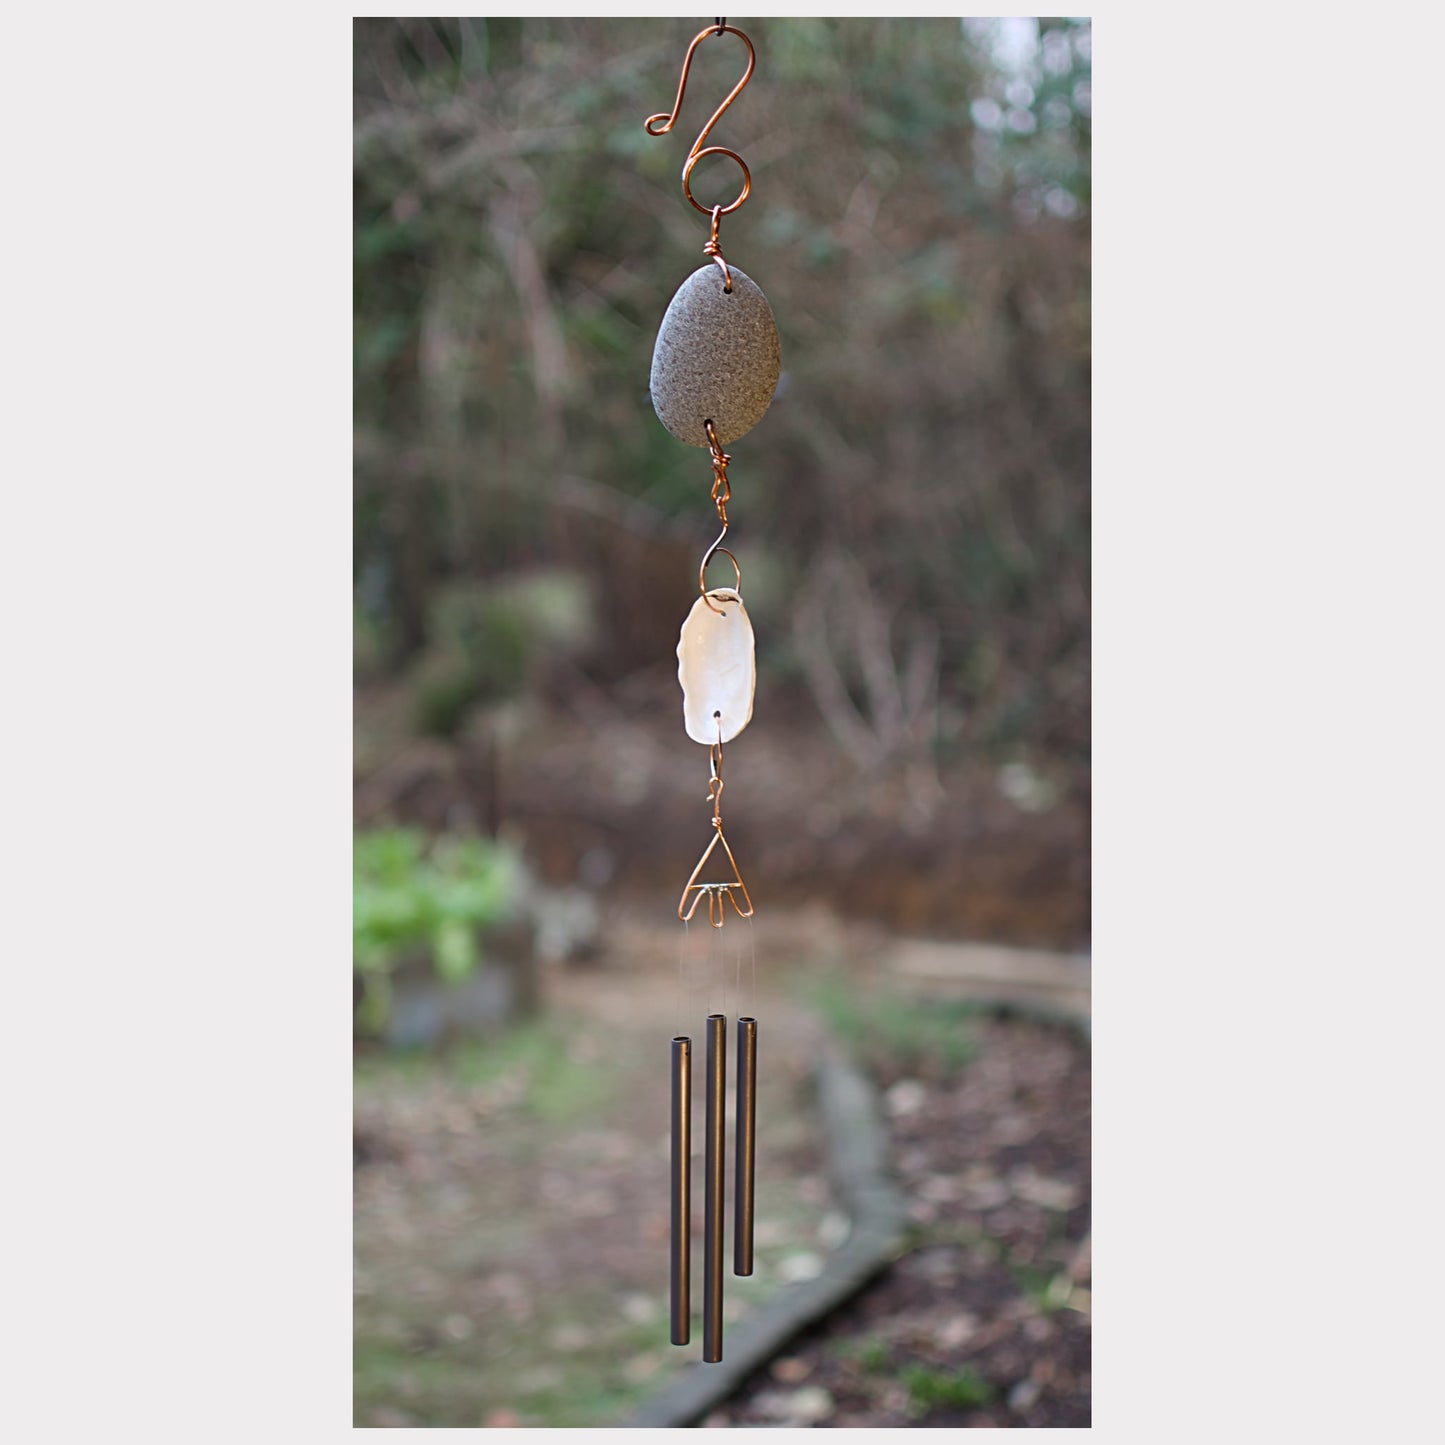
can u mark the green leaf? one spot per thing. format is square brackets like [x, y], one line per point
[455, 950]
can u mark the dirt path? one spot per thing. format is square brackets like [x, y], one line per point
[512, 1200]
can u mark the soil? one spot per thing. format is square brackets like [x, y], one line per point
[985, 1320]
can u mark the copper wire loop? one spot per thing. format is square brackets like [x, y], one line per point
[712, 552]
[713, 248]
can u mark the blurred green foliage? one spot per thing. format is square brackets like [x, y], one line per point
[414, 898]
[919, 220]
[871, 1353]
[930, 1388]
[1049, 1290]
[555, 1085]
[485, 641]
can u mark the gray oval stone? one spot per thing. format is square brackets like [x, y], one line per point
[716, 358]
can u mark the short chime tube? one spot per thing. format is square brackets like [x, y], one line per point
[744, 1128]
[681, 1189]
[712, 1276]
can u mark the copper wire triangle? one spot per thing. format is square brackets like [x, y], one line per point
[717, 893]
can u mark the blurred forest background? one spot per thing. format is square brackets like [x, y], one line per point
[912, 522]
[911, 516]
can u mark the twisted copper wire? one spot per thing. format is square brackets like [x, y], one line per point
[721, 492]
[713, 248]
[721, 488]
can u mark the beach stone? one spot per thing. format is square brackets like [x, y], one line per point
[716, 358]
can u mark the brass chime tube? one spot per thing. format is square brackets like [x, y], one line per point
[745, 1132]
[712, 1274]
[681, 1189]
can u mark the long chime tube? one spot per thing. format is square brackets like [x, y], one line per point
[681, 1189]
[712, 1275]
[745, 1132]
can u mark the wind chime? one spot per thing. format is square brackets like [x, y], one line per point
[714, 371]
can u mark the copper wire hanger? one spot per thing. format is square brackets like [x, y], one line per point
[717, 894]
[699, 150]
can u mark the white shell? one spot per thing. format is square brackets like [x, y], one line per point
[715, 667]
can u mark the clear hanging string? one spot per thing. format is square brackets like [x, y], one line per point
[680, 996]
[753, 971]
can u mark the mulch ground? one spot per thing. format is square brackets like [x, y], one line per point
[984, 1321]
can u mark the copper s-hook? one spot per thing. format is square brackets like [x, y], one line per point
[663, 122]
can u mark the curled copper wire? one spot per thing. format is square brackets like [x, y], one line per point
[663, 122]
